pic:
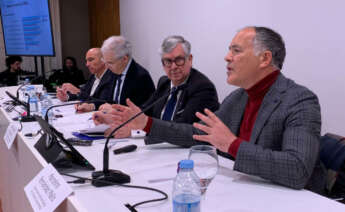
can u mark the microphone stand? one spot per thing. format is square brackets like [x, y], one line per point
[116, 176]
[93, 100]
[28, 117]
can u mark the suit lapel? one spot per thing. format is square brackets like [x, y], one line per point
[128, 83]
[102, 82]
[270, 102]
[158, 109]
[236, 118]
[93, 78]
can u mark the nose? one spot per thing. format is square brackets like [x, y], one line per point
[228, 57]
[173, 65]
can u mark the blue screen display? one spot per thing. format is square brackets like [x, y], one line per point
[27, 27]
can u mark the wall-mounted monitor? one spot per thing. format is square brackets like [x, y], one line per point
[26, 26]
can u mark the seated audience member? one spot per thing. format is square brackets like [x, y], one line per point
[270, 125]
[70, 73]
[132, 80]
[198, 92]
[10, 76]
[98, 86]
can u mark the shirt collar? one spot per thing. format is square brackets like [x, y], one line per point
[184, 82]
[127, 67]
[100, 77]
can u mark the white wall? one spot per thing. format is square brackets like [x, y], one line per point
[313, 31]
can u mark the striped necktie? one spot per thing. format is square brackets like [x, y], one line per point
[117, 88]
[169, 109]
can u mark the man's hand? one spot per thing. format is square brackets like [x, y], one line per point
[126, 112]
[85, 107]
[61, 94]
[123, 132]
[70, 88]
[218, 134]
[105, 107]
[117, 115]
[100, 117]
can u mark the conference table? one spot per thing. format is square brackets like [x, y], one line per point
[149, 165]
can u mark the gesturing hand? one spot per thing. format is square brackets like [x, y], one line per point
[126, 112]
[61, 94]
[217, 133]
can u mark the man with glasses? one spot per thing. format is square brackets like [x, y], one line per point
[270, 125]
[132, 80]
[190, 90]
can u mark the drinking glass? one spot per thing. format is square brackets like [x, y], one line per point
[205, 163]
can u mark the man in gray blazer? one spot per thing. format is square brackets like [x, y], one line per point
[270, 125]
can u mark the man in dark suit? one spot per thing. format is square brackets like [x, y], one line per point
[270, 125]
[198, 92]
[132, 80]
[98, 86]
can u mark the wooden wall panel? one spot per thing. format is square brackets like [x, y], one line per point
[104, 18]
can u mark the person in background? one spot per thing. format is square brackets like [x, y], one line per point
[198, 92]
[98, 86]
[11, 75]
[270, 125]
[132, 80]
[70, 73]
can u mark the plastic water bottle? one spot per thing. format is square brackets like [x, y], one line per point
[186, 189]
[33, 100]
[46, 103]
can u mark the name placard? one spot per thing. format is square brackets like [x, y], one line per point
[47, 190]
[10, 134]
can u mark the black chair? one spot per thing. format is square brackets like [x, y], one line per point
[332, 155]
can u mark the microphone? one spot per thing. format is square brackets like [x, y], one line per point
[92, 100]
[16, 100]
[116, 176]
[125, 149]
[28, 117]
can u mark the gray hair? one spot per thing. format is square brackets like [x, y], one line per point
[267, 39]
[171, 42]
[119, 45]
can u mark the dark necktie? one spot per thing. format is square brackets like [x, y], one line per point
[169, 109]
[118, 86]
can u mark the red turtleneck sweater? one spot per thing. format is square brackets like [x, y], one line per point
[255, 96]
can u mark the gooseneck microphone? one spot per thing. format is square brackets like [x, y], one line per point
[116, 176]
[91, 100]
[28, 117]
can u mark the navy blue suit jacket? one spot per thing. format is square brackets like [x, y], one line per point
[138, 85]
[103, 90]
[199, 93]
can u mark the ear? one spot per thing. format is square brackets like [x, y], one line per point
[125, 58]
[265, 59]
[190, 58]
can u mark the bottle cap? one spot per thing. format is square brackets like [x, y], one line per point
[186, 164]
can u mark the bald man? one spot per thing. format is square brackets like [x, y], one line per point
[99, 85]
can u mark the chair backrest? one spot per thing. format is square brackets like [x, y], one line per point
[332, 151]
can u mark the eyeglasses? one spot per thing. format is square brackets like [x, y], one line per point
[179, 61]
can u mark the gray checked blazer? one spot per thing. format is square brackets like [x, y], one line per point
[285, 140]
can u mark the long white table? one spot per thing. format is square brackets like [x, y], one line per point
[229, 191]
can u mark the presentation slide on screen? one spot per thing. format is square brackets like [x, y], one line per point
[26, 27]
